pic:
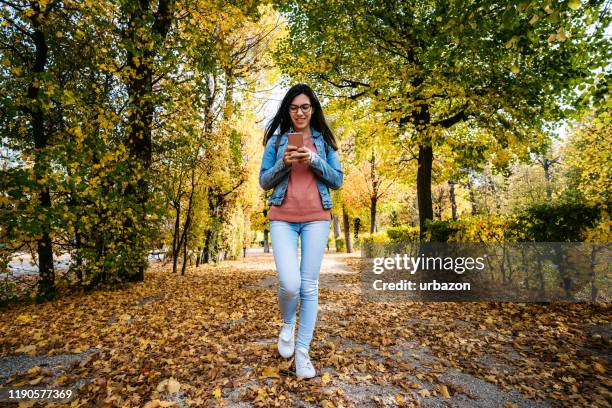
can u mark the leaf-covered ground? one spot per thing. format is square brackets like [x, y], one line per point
[209, 339]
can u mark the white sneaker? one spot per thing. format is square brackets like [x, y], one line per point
[286, 341]
[303, 366]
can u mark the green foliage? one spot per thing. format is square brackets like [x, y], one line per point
[558, 222]
[566, 221]
[340, 246]
[403, 233]
[120, 123]
[441, 231]
[473, 81]
[377, 237]
[486, 229]
[588, 159]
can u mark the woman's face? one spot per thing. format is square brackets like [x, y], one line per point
[300, 111]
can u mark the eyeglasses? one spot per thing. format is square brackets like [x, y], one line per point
[305, 108]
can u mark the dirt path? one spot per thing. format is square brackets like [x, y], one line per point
[209, 339]
[364, 389]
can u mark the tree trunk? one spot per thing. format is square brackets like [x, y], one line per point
[201, 255]
[140, 59]
[424, 187]
[438, 203]
[265, 232]
[374, 194]
[79, 258]
[336, 223]
[185, 245]
[495, 194]
[206, 250]
[347, 231]
[451, 195]
[546, 166]
[472, 196]
[139, 145]
[373, 203]
[356, 227]
[175, 237]
[213, 253]
[46, 280]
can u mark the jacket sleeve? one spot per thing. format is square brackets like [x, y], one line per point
[272, 171]
[330, 170]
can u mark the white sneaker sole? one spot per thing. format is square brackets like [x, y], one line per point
[305, 377]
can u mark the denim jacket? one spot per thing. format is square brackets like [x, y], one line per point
[275, 174]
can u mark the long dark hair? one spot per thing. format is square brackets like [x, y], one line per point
[317, 119]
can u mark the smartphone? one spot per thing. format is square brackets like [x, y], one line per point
[296, 139]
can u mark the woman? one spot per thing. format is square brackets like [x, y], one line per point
[299, 207]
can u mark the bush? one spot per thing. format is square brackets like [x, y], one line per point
[485, 229]
[601, 231]
[441, 231]
[340, 247]
[403, 233]
[377, 237]
[559, 222]
[372, 251]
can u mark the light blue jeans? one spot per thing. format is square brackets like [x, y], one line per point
[299, 278]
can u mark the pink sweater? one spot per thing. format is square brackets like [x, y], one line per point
[302, 200]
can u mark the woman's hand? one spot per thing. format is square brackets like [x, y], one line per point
[302, 155]
[288, 155]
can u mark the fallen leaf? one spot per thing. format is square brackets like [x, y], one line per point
[261, 394]
[34, 370]
[173, 386]
[424, 393]
[24, 318]
[599, 368]
[37, 380]
[325, 378]
[270, 372]
[170, 385]
[443, 391]
[31, 348]
[217, 392]
[158, 403]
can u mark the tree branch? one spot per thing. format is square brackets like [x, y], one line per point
[20, 28]
[13, 5]
[450, 121]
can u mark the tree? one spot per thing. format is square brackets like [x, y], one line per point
[99, 99]
[26, 38]
[429, 66]
[588, 157]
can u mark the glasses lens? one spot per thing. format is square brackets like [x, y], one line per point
[304, 108]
